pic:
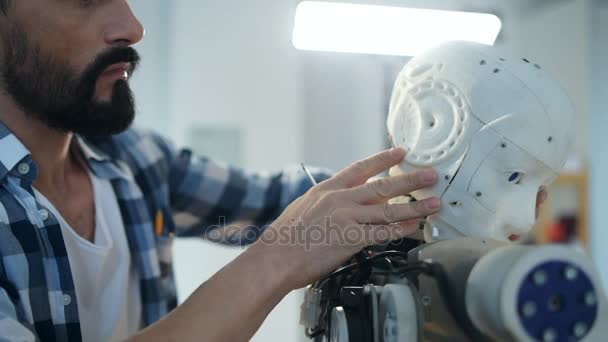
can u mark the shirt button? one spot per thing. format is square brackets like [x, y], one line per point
[67, 299]
[44, 214]
[23, 169]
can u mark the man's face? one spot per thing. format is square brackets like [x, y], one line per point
[67, 62]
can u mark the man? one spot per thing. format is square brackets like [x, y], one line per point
[89, 206]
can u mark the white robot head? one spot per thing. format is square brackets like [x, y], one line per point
[495, 127]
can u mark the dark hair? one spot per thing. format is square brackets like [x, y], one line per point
[4, 5]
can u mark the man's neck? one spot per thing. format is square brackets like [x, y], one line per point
[50, 148]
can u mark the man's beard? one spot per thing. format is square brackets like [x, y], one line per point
[49, 90]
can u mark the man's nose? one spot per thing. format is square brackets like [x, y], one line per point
[124, 28]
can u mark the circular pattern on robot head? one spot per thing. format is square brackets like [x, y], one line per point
[429, 121]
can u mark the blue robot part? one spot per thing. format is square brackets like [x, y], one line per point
[557, 302]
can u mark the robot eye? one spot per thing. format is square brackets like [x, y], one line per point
[515, 177]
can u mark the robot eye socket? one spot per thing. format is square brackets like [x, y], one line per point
[515, 177]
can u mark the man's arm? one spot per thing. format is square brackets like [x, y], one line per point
[209, 196]
[230, 306]
[234, 302]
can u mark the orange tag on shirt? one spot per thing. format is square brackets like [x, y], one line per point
[158, 223]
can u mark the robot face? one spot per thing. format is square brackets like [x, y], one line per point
[495, 127]
[505, 185]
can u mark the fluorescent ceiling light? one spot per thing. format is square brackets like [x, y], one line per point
[343, 27]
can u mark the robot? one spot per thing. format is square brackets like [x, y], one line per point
[497, 128]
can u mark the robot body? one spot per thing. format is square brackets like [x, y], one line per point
[470, 289]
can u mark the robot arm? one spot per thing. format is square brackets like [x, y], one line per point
[541, 293]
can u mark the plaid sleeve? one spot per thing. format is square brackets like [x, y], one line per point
[208, 196]
[11, 329]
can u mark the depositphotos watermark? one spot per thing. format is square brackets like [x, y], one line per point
[299, 234]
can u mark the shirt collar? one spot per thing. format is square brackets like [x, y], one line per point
[91, 152]
[101, 163]
[13, 154]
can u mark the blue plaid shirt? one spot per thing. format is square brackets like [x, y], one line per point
[149, 176]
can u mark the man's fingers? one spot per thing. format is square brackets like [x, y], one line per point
[393, 213]
[359, 172]
[391, 187]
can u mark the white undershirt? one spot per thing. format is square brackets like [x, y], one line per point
[106, 282]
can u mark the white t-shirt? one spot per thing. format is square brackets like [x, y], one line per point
[105, 279]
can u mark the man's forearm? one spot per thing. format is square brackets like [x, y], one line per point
[230, 306]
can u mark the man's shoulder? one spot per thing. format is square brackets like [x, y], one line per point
[137, 138]
[136, 144]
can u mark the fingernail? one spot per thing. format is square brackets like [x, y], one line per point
[427, 176]
[433, 203]
[397, 152]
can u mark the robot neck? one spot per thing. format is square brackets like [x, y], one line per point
[436, 229]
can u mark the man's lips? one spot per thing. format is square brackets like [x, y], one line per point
[118, 70]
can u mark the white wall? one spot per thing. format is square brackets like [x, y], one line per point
[345, 105]
[232, 64]
[150, 82]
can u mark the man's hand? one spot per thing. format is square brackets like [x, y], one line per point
[233, 303]
[344, 214]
